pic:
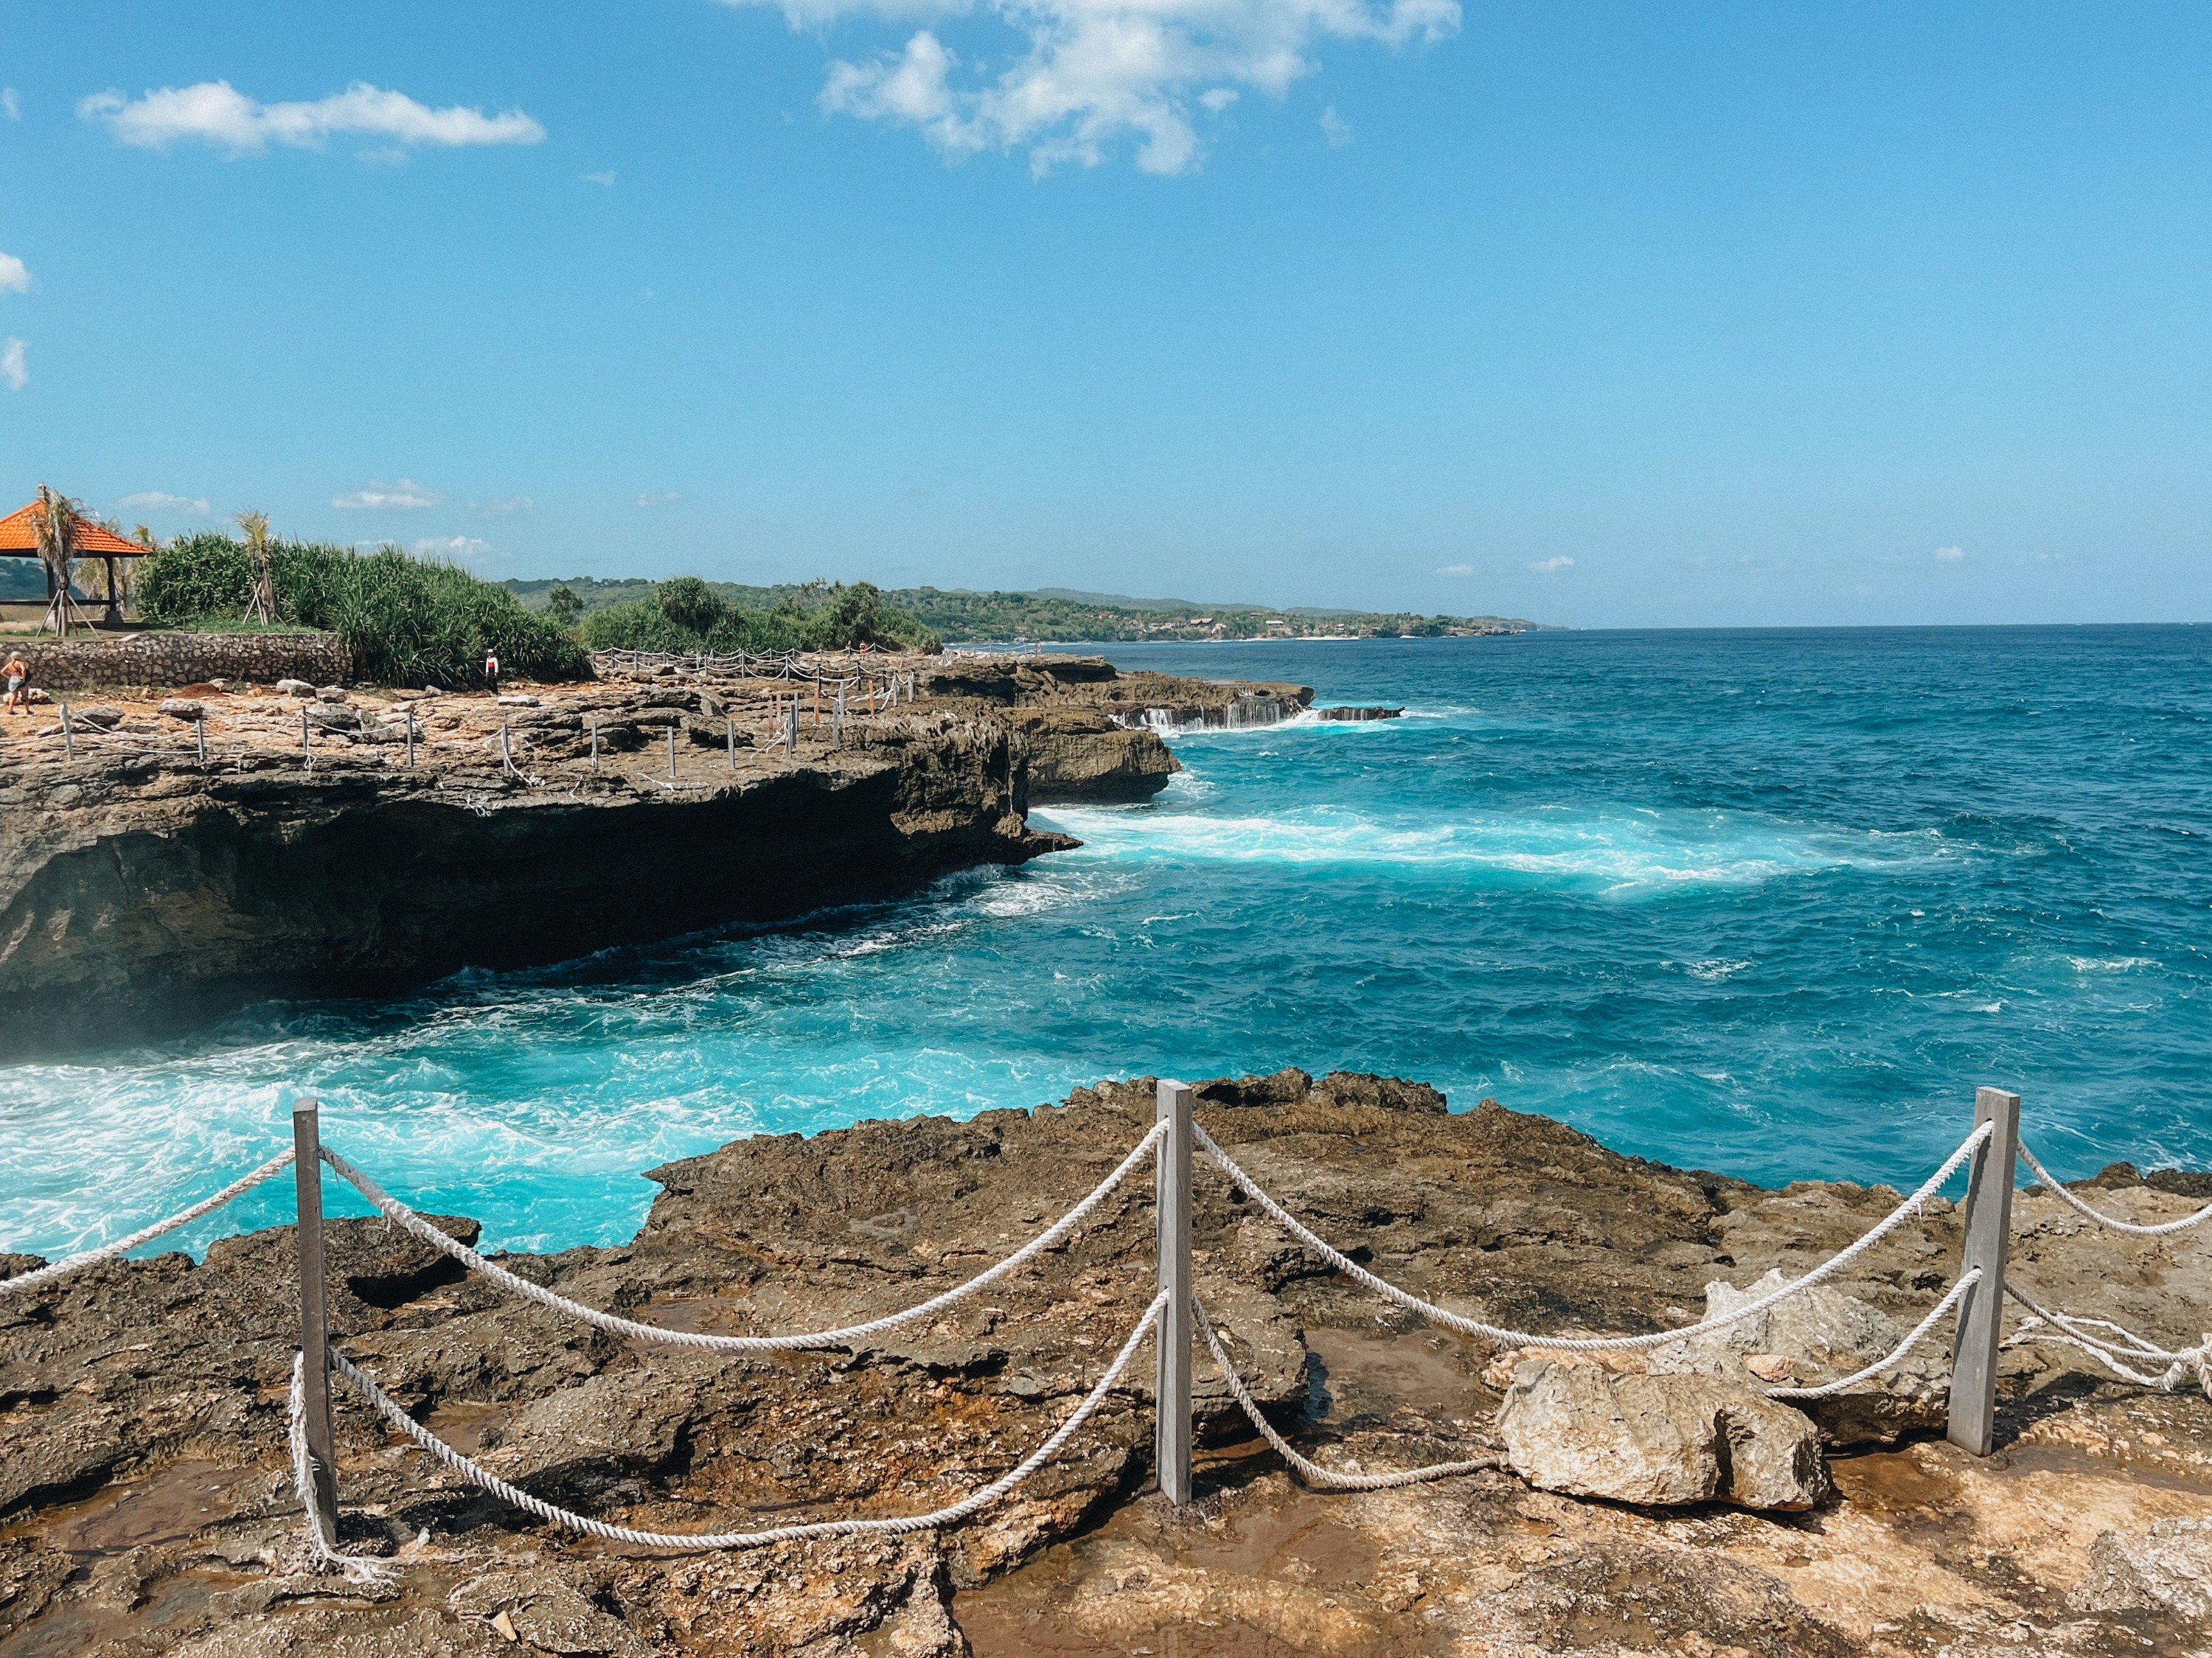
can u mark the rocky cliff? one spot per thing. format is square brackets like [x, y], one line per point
[146, 1507]
[194, 854]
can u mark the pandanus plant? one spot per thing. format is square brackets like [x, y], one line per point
[255, 527]
[54, 519]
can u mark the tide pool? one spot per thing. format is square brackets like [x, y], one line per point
[1771, 903]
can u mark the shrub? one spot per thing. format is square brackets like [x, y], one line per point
[408, 621]
[685, 615]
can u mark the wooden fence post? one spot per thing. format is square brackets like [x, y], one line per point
[1987, 1214]
[1171, 1185]
[729, 733]
[314, 1316]
[306, 748]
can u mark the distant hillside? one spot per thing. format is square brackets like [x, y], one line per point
[1058, 614]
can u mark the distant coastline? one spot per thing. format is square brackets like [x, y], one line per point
[1056, 615]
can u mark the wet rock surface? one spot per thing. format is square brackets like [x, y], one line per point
[144, 1402]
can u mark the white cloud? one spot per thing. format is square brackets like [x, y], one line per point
[10, 105]
[1086, 73]
[12, 368]
[160, 500]
[215, 113]
[661, 500]
[1949, 555]
[454, 547]
[1456, 569]
[15, 274]
[606, 178]
[406, 495]
[1562, 563]
[1335, 128]
[505, 504]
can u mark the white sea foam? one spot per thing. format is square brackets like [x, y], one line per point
[1635, 849]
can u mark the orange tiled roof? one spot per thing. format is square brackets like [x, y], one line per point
[19, 535]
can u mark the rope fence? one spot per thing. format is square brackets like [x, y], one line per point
[1177, 1321]
[401, 1215]
[952, 1513]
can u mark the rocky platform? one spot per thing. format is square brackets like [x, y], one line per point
[144, 888]
[145, 1506]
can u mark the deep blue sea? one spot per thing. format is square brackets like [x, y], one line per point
[1767, 903]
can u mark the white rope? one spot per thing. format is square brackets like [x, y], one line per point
[1451, 1320]
[1309, 1470]
[358, 1569]
[845, 1337]
[276, 1165]
[2112, 1221]
[951, 1514]
[2114, 1354]
[1972, 1276]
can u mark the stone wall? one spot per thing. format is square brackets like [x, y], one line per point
[182, 659]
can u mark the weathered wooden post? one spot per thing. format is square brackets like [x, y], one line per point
[1987, 1214]
[730, 734]
[69, 737]
[1171, 1202]
[411, 738]
[306, 748]
[595, 742]
[506, 753]
[671, 754]
[199, 730]
[314, 1316]
[790, 728]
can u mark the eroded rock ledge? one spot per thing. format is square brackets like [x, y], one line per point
[145, 1507]
[142, 890]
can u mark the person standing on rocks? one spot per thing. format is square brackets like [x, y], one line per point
[491, 671]
[17, 673]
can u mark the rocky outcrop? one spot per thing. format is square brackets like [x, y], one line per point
[313, 851]
[1816, 1336]
[139, 892]
[1664, 1440]
[2167, 1568]
[148, 1509]
[1141, 701]
[1359, 715]
[1077, 755]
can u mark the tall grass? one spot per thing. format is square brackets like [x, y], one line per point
[408, 621]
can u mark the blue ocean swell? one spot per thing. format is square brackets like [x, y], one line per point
[1771, 903]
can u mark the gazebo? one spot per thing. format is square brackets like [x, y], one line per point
[19, 538]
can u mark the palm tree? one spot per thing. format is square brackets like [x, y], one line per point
[54, 518]
[256, 528]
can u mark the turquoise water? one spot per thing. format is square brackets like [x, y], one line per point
[1771, 903]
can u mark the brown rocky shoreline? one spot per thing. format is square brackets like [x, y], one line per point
[143, 888]
[145, 1505]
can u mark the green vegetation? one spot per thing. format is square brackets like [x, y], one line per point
[408, 621]
[688, 614]
[1057, 614]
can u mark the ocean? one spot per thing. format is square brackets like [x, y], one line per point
[1767, 903]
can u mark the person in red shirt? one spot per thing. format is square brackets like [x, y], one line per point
[491, 671]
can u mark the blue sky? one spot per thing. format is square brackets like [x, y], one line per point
[1611, 315]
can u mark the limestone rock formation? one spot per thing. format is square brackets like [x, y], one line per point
[1822, 1334]
[2167, 1568]
[1657, 1439]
